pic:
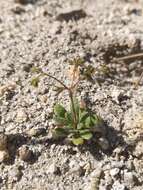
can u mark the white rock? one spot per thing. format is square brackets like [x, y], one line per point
[116, 94]
[139, 149]
[25, 153]
[6, 88]
[75, 167]
[15, 174]
[114, 172]
[73, 163]
[117, 164]
[94, 181]
[118, 186]
[4, 155]
[103, 142]
[21, 116]
[55, 28]
[52, 169]
[36, 132]
[129, 179]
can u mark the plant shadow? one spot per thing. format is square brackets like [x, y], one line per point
[114, 139]
[113, 136]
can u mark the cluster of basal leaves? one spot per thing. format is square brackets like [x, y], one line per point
[78, 124]
[78, 133]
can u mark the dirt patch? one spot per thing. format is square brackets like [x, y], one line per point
[47, 34]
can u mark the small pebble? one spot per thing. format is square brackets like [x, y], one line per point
[104, 144]
[114, 172]
[43, 98]
[118, 186]
[21, 116]
[95, 180]
[53, 169]
[36, 132]
[4, 155]
[138, 152]
[15, 174]
[129, 179]
[6, 88]
[25, 154]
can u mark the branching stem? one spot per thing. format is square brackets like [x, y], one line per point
[60, 82]
[70, 91]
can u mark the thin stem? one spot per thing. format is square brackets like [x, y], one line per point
[70, 95]
[73, 75]
[74, 85]
[43, 73]
[73, 108]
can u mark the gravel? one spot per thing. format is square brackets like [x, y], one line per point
[47, 33]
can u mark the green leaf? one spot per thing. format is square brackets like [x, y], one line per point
[105, 70]
[36, 70]
[77, 62]
[90, 69]
[88, 122]
[60, 132]
[60, 120]
[86, 134]
[82, 116]
[77, 141]
[62, 117]
[97, 120]
[69, 118]
[59, 111]
[35, 81]
[88, 72]
[80, 126]
[92, 120]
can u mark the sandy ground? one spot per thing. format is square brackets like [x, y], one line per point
[47, 33]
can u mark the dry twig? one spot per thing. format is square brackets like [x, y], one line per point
[133, 56]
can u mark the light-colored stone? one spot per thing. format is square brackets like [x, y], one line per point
[25, 153]
[95, 179]
[21, 116]
[104, 144]
[43, 98]
[15, 174]
[4, 155]
[74, 167]
[116, 94]
[129, 179]
[52, 169]
[114, 172]
[118, 186]
[36, 132]
[6, 88]
[138, 152]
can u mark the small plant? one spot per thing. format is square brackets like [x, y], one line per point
[77, 124]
